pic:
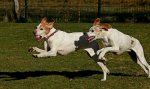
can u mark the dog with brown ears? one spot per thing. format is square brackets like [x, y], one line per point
[60, 42]
[118, 42]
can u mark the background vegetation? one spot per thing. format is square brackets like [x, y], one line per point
[79, 10]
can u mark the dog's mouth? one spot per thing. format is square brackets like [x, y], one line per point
[38, 37]
[90, 38]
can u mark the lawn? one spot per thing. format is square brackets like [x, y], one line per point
[19, 70]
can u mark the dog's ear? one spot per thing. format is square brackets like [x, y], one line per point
[47, 23]
[96, 22]
[106, 26]
[44, 21]
[51, 20]
[50, 23]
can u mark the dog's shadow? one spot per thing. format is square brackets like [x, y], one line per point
[68, 74]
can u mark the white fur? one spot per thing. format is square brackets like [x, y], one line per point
[61, 43]
[118, 42]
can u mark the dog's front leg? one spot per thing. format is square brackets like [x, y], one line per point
[104, 69]
[46, 54]
[103, 51]
[36, 49]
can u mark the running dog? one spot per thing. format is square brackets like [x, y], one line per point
[60, 42]
[118, 42]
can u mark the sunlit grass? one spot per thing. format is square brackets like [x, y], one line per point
[19, 70]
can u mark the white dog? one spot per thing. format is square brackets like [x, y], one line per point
[60, 42]
[118, 42]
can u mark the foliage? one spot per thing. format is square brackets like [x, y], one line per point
[79, 10]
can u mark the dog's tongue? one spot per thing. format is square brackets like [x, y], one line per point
[90, 39]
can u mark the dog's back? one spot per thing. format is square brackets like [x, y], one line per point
[120, 39]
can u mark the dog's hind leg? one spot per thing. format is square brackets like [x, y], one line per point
[143, 63]
[134, 57]
[141, 58]
[104, 69]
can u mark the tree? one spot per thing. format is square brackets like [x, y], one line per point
[79, 10]
[17, 7]
[12, 12]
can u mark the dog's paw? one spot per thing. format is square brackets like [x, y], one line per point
[38, 55]
[99, 51]
[32, 49]
[101, 56]
[103, 79]
[108, 72]
[35, 55]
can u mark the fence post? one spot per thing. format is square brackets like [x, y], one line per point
[26, 10]
[99, 8]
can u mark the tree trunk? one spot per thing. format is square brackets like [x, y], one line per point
[16, 11]
[79, 11]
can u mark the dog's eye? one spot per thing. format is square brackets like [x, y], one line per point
[41, 28]
[92, 30]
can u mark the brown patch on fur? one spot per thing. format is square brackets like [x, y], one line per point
[106, 26]
[44, 19]
[47, 24]
[44, 22]
[47, 20]
[96, 21]
[98, 31]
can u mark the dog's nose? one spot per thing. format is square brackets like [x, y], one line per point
[85, 33]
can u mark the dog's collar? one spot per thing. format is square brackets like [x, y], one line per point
[48, 36]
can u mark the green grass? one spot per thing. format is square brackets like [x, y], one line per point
[19, 70]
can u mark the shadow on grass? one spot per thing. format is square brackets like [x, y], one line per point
[68, 74]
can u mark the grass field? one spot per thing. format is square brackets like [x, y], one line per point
[19, 70]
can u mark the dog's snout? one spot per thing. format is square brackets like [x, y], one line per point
[34, 32]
